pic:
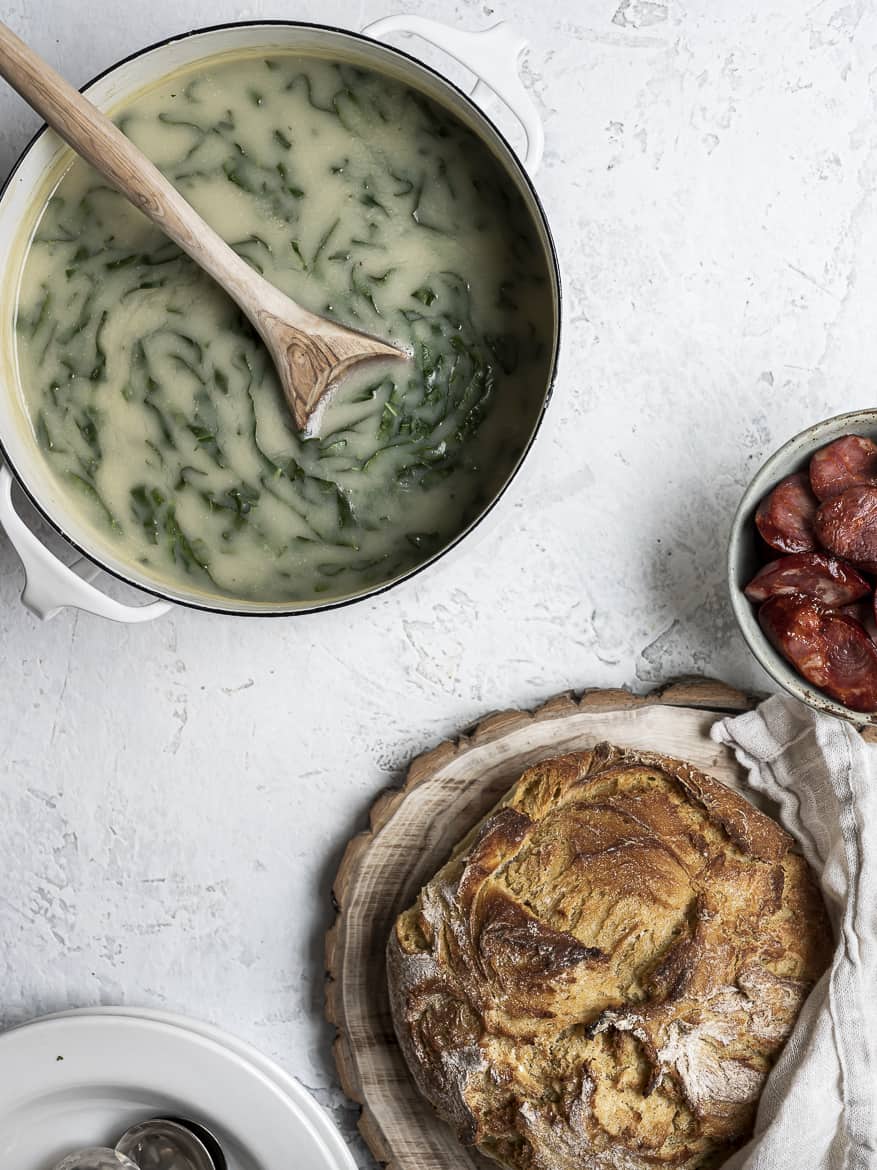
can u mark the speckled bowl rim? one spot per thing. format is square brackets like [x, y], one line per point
[232, 607]
[791, 457]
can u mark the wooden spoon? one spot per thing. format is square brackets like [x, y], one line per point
[310, 352]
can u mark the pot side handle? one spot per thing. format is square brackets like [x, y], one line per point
[492, 55]
[50, 585]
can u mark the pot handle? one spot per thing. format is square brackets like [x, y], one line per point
[492, 55]
[50, 585]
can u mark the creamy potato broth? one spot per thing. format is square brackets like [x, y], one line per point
[156, 405]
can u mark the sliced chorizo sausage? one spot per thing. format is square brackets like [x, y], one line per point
[863, 612]
[831, 650]
[826, 578]
[845, 463]
[785, 516]
[846, 525]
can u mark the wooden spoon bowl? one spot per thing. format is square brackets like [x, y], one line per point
[311, 353]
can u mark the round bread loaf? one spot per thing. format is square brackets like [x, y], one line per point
[604, 972]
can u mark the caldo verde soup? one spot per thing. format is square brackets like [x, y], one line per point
[155, 403]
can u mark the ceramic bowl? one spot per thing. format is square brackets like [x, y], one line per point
[744, 558]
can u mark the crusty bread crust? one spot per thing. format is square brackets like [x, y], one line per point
[602, 975]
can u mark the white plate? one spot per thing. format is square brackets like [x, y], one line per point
[337, 1155]
[80, 1080]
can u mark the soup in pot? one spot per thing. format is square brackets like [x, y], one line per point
[153, 400]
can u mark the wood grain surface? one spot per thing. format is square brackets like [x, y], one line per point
[412, 831]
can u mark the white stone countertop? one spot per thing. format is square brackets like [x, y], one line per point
[176, 796]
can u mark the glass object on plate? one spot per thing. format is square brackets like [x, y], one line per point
[96, 1158]
[167, 1144]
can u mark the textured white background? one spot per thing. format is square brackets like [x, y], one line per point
[175, 797]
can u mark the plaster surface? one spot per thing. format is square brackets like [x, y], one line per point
[175, 797]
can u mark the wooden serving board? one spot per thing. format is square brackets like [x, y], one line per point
[414, 829]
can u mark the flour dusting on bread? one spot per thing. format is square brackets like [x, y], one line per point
[603, 974]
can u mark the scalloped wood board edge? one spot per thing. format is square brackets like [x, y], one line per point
[413, 830]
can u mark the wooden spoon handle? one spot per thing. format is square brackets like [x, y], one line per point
[93, 136]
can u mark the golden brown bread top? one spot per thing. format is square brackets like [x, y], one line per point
[604, 972]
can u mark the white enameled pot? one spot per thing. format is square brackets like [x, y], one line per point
[492, 55]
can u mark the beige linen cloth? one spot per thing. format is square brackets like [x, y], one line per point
[817, 1111]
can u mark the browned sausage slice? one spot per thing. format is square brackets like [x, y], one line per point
[831, 650]
[845, 463]
[847, 526]
[785, 516]
[828, 579]
[863, 612]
